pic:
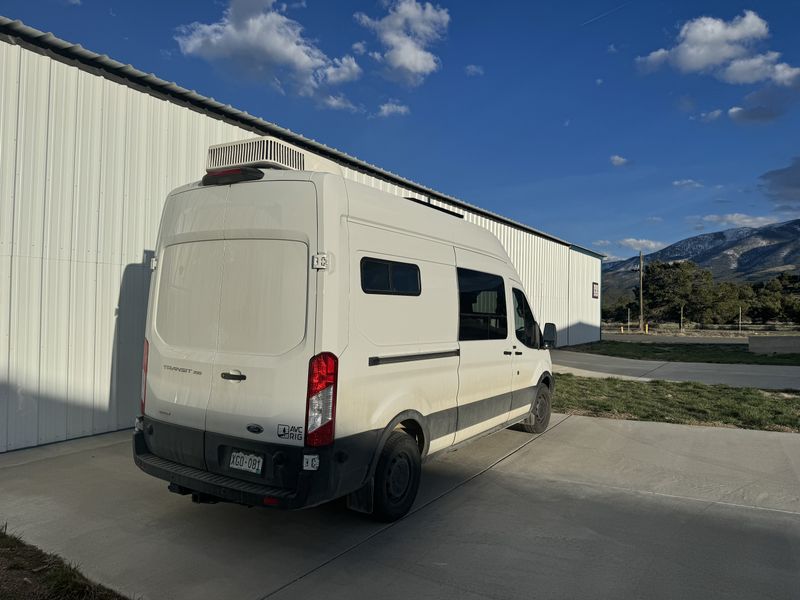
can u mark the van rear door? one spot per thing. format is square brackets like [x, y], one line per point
[181, 353]
[266, 317]
[182, 322]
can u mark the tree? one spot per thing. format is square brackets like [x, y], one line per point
[768, 305]
[791, 309]
[701, 306]
[667, 286]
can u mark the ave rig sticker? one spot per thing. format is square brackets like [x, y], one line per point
[290, 432]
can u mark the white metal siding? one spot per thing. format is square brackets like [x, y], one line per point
[584, 310]
[85, 165]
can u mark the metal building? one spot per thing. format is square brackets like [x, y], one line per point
[89, 148]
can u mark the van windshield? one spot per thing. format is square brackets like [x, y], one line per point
[245, 296]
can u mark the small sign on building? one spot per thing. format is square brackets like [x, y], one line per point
[595, 289]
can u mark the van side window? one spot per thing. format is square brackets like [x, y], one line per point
[380, 276]
[482, 306]
[524, 324]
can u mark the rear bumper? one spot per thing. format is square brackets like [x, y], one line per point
[217, 486]
[340, 472]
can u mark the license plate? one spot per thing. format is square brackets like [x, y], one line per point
[244, 461]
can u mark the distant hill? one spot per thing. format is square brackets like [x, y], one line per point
[742, 254]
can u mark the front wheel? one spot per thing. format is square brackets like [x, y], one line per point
[396, 477]
[539, 416]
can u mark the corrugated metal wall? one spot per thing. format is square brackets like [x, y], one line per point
[584, 308]
[85, 164]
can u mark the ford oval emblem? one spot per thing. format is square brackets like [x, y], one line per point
[255, 428]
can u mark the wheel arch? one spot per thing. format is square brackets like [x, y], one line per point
[549, 380]
[413, 423]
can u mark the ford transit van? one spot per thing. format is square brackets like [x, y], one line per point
[309, 337]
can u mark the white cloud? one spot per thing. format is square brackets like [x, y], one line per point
[359, 48]
[406, 33]
[785, 74]
[611, 49]
[654, 219]
[759, 68]
[641, 245]
[74, 2]
[598, 81]
[339, 102]
[567, 122]
[342, 70]
[601, 243]
[725, 49]
[376, 56]
[652, 61]
[739, 220]
[711, 115]
[617, 160]
[611, 258]
[261, 41]
[734, 111]
[393, 108]
[473, 70]
[687, 183]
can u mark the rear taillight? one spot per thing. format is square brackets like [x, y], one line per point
[145, 355]
[321, 399]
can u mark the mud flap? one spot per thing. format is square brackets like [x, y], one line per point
[362, 499]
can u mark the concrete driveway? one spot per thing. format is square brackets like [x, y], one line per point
[770, 377]
[592, 508]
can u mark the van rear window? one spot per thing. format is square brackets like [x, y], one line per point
[240, 296]
[380, 276]
[482, 306]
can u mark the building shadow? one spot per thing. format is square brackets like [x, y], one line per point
[131, 318]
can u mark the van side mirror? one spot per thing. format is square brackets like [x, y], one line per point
[550, 336]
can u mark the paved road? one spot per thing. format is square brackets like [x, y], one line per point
[593, 508]
[595, 365]
[672, 339]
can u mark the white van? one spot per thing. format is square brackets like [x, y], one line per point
[309, 337]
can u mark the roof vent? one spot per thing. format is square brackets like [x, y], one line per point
[263, 152]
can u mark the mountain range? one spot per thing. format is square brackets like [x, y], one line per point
[741, 254]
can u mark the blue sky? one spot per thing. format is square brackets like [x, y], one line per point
[615, 125]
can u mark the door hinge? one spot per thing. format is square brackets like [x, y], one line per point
[153, 263]
[319, 261]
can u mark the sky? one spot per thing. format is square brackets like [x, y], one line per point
[618, 126]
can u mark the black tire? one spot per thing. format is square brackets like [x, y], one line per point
[396, 477]
[539, 415]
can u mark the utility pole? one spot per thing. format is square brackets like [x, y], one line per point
[740, 319]
[681, 318]
[641, 291]
[629, 320]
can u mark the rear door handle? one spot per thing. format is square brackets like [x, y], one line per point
[233, 375]
[518, 353]
[507, 352]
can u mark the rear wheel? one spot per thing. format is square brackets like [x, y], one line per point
[539, 416]
[396, 477]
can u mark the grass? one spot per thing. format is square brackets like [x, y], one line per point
[27, 572]
[707, 353]
[674, 402]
